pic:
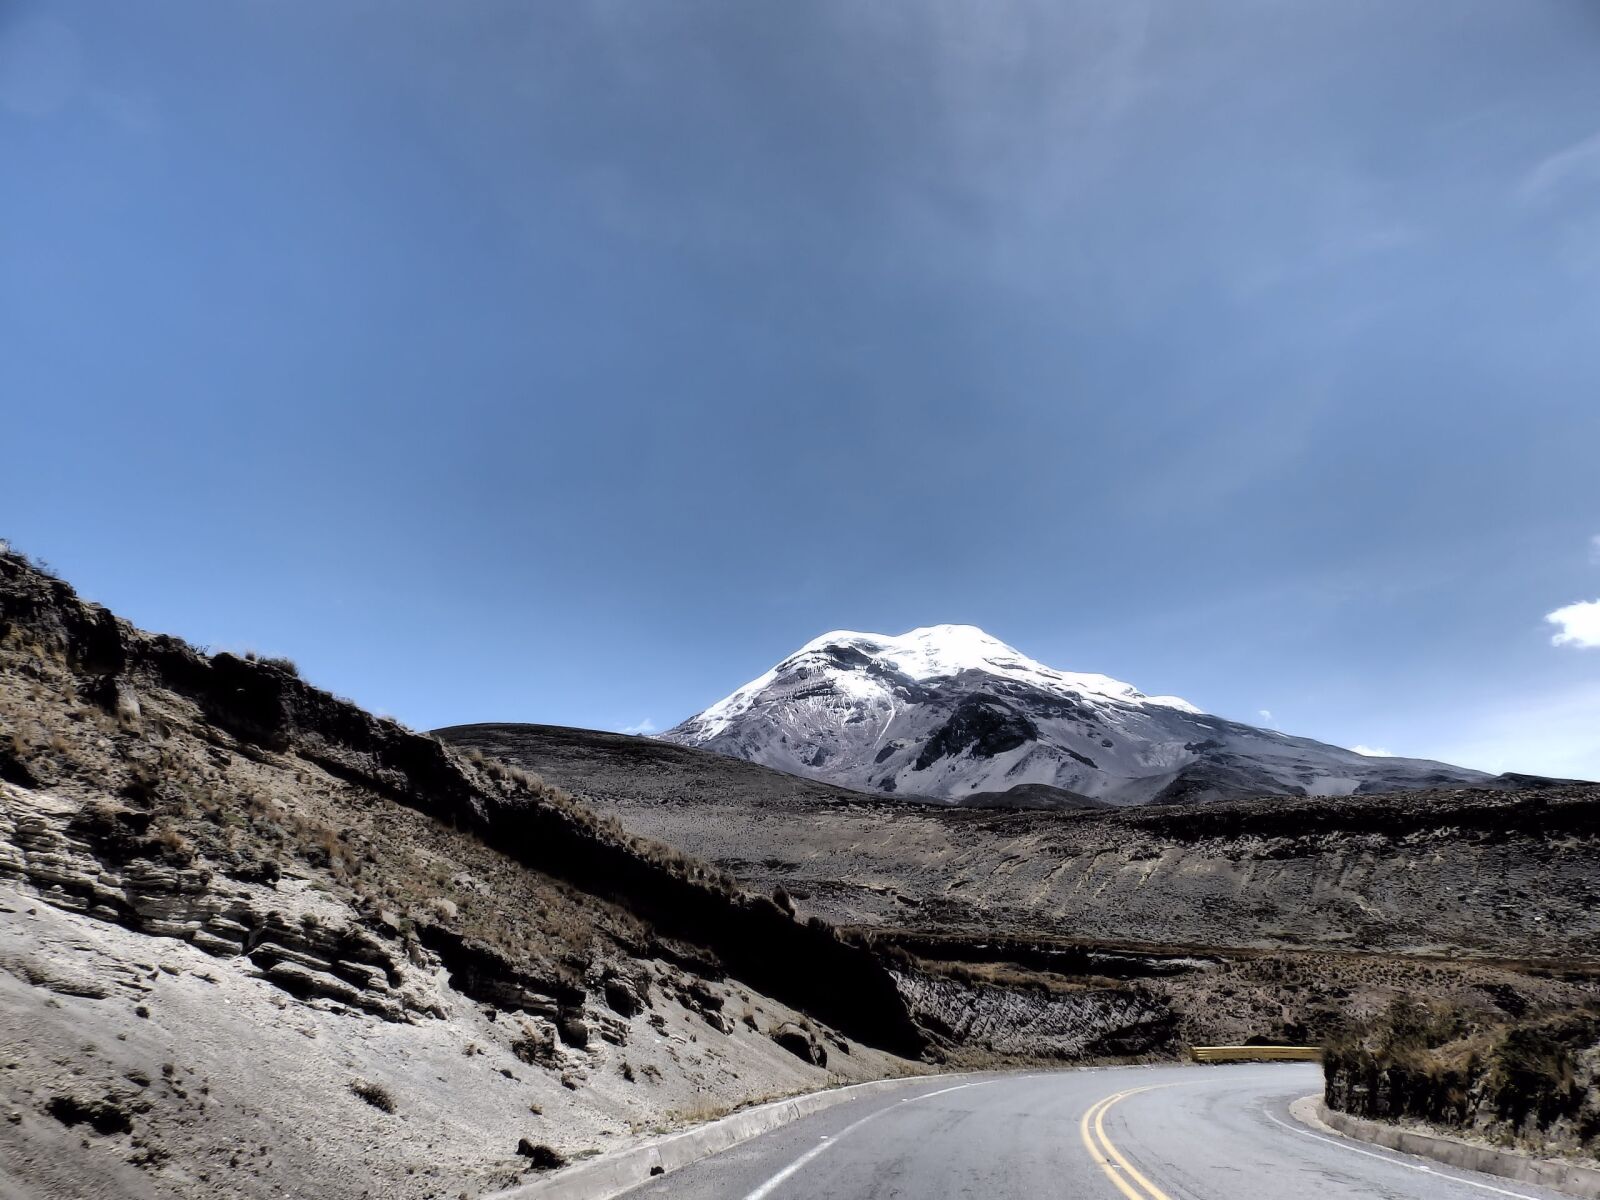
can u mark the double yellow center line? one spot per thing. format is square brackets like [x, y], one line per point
[1108, 1158]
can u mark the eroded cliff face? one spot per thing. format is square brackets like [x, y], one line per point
[970, 1014]
[256, 941]
[101, 862]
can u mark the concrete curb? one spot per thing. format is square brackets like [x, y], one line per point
[1554, 1173]
[612, 1174]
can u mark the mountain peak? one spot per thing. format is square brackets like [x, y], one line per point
[950, 710]
[943, 651]
[927, 652]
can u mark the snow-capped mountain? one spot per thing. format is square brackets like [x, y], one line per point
[952, 713]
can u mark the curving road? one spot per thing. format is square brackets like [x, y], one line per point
[1116, 1133]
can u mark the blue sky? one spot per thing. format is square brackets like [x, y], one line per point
[574, 362]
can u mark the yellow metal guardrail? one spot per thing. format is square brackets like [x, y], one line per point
[1256, 1053]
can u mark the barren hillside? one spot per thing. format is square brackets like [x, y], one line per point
[254, 941]
[1279, 916]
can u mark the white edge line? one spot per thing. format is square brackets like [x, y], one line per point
[1399, 1162]
[766, 1188]
[942, 1091]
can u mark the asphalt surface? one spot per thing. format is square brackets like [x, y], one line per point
[1116, 1133]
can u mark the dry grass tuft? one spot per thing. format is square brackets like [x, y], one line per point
[374, 1094]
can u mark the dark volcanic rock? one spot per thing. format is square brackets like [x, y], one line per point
[540, 1157]
[574, 1030]
[104, 1114]
[800, 1043]
[981, 726]
[623, 996]
[1031, 796]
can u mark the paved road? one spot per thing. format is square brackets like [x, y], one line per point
[1118, 1133]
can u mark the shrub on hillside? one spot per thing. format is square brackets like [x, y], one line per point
[1532, 1081]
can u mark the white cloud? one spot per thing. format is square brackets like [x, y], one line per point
[1594, 549]
[644, 726]
[1373, 751]
[1559, 187]
[1265, 714]
[1580, 624]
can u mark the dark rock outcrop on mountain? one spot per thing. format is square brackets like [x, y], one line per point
[1030, 796]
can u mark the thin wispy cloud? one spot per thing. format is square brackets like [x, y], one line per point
[1577, 164]
[643, 727]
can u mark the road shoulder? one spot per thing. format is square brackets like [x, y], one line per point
[1563, 1176]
